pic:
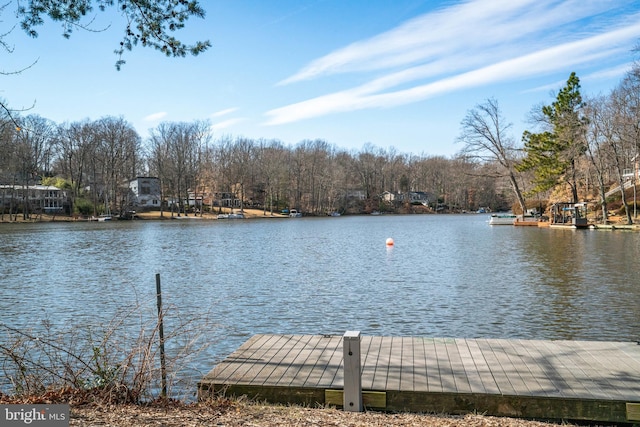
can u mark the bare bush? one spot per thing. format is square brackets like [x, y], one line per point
[119, 360]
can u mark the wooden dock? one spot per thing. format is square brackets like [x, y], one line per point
[568, 380]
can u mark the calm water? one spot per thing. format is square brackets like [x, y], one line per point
[446, 276]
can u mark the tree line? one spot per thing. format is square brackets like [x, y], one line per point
[94, 161]
[578, 149]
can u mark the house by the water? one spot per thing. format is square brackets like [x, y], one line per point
[36, 198]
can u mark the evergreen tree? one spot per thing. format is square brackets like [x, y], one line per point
[553, 154]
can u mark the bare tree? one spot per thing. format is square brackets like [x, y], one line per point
[485, 137]
[269, 156]
[32, 146]
[176, 156]
[118, 150]
[600, 137]
[75, 143]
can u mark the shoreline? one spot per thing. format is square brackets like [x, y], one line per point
[142, 216]
[242, 412]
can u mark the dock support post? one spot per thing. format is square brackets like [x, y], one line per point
[352, 393]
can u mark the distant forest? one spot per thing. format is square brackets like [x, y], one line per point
[579, 149]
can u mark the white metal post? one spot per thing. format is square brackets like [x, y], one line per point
[352, 393]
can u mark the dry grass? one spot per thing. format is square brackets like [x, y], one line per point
[94, 408]
[229, 413]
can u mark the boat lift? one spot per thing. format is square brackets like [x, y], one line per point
[569, 214]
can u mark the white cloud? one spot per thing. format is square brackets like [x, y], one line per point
[476, 43]
[476, 25]
[224, 112]
[155, 117]
[226, 123]
[608, 73]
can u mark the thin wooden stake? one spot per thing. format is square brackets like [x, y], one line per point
[163, 368]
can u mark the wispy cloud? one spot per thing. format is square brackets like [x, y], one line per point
[474, 43]
[458, 30]
[607, 73]
[226, 123]
[155, 117]
[613, 72]
[224, 112]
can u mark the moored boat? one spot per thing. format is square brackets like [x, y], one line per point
[502, 219]
[237, 215]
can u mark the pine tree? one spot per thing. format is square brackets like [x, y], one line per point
[552, 155]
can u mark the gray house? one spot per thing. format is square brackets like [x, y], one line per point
[144, 193]
[40, 198]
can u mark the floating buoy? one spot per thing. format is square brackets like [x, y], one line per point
[389, 241]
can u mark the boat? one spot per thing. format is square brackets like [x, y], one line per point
[334, 213]
[502, 219]
[101, 218]
[569, 215]
[232, 215]
[295, 214]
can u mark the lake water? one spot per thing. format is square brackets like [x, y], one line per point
[446, 276]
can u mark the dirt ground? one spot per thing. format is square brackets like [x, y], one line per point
[233, 414]
[151, 215]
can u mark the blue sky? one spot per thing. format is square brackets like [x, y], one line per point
[399, 73]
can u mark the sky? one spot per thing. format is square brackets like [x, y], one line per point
[398, 74]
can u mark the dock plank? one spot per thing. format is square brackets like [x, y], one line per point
[394, 371]
[434, 379]
[308, 358]
[243, 355]
[370, 349]
[527, 378]
[538, 381]
[251, 366]
[419, 366]
[514, 363]
[271, 359]
[323, 357]
[332, 375]
[562, 358]
[482, 368]
[457, 366]
[471, 368]
[407, 367]
[287, 368]
[445, 369]
[496, 369]
[615, 372]
[382, 365]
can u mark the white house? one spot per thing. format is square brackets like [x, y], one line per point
[145, 192]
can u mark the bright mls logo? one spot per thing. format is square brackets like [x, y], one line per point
[34, 415]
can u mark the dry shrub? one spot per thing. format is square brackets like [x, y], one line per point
[118, 362]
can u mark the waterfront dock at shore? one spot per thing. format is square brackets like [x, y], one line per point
[560, 380]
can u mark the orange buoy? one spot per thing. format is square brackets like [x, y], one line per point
[389, 241]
